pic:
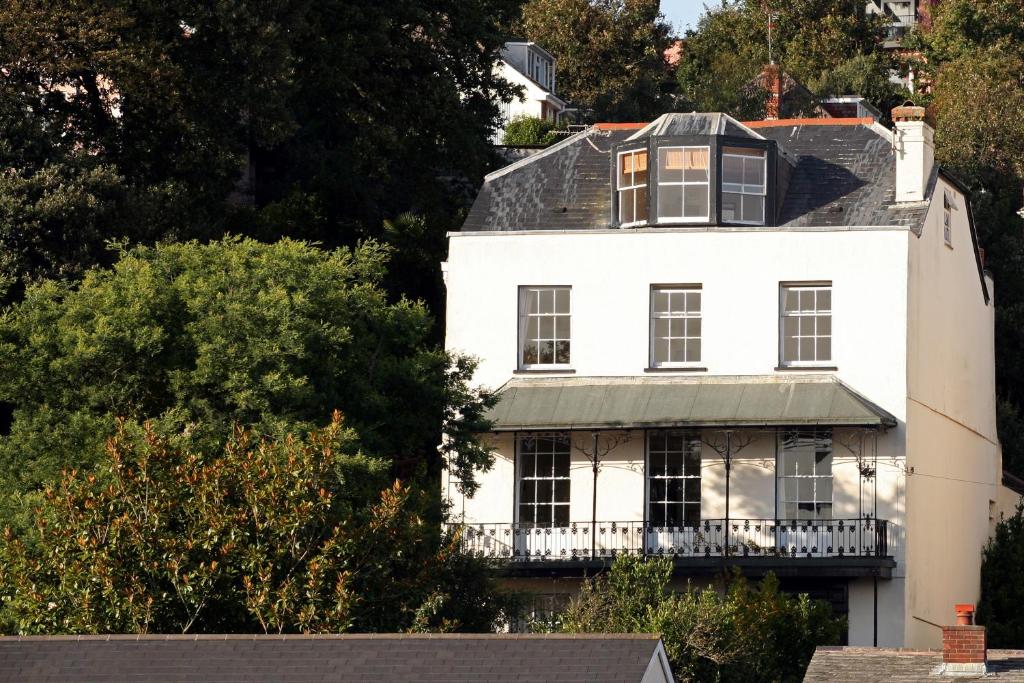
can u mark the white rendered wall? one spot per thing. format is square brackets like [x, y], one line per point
[611, 273]
[953, 453]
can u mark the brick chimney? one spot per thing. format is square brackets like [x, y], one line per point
[963, 645]
[771, 77]
[915, 152]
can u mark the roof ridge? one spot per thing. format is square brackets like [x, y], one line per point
[548, 151]
[185, 637]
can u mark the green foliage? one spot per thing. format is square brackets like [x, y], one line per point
[288, 535]
[140, 122]
[1002, 584]
[736, 632]
[832, 48]
[201, 337]
[611, 62]
[528, 130]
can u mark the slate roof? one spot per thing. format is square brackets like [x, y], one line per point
[886, 665]
[843, 175]
[339, 659]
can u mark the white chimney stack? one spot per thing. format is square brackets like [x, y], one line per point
[915, 153]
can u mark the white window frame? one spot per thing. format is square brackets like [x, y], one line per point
[524, 319]
[634, 186]
[684, 184]
[691, 440]
[684, 315]
[745, 190]
[785, 287]
[813, 478]
[521, 477]
[947, 219]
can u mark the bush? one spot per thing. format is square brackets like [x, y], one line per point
[736, 632]
[527, 130]
[1002, 584]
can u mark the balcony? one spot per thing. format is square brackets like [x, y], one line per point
[832, 547]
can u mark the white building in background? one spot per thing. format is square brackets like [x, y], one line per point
[764, 345]
[900, 16]
[531, 67]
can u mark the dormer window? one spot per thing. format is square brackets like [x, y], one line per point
[683, 184]
[743, 185]
[632, 187]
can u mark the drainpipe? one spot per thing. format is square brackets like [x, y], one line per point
[728, 470]
[593, 503]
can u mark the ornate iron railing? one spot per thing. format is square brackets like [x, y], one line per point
[710, 538]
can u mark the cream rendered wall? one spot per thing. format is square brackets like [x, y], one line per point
[953, 455]
[1007, 501]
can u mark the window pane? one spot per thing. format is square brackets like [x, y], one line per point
[547, 328]
[670, 201]
[658, 489]
[788, 463]
[544, 464]
[674, 465]
[824, 299]
[792, 299]
[532, 298]
[657, 515]
[528, 463]
[545, 491]
[677, 327]
[824, 511]
[789, 349]
[640, 168]
[562, 327]
[693, 327]
[625, 170]
[693, 302]
[692, 351]
[661, 351]
[547, 352]
[806, 488]
[824, 489]
[692, 462]
[692, 489]
[674, 489]
[670, 165]
[822, 463]
[806, 300]
[677, 350]
[692, 514]
[561, 515]
[661, 298]
[674, 443]
[562, 491]
[626, 199]
[806, 349]
[562, 352]
[824, 349]
[674, 515]
[562, 300]
[526, 515]
[730, 206]
[804, 461]
[732, 169]
[791, 326]
[641, 202]
[657, 462]
[753, 171]
[543, 513]
[696, 205]
[789, 511]
[661, 327]
[526, 491]
[753, 208]
[562, 463]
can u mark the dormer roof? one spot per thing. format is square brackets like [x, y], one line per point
[695, 124]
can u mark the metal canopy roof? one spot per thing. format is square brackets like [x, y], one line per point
[569, 403]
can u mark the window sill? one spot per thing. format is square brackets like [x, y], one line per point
[544, 371]
[685, 368]
[806, 368]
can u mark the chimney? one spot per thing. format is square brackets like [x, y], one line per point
[771, 78]
[963, 645]
[915, 152]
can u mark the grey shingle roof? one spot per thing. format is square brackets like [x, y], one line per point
[843, 175]
[294, 659]
[870, 665]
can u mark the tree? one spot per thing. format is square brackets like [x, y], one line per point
[740, 633]
[289, 535]
[612, 62]
[1002, 583]
[336, 114]
[832, 48]
[198, 338]
[528, 130]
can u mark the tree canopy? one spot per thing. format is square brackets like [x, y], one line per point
[611, 63]
[1002, 584]
[262, 535]
[832, 48]
[198, 338]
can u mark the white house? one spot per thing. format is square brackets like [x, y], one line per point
[764, 345]
[531, 67]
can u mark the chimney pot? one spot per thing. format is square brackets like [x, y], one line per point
[908, 112]
[965, 614]
[915, 152]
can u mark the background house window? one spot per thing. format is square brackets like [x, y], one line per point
[806, 329]
[683, 184]
[544, 326]
[632, 187]
[544, 480]
[673, 479]
[947, 219]
[675, 326]
[805, 474]
[743, 185]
